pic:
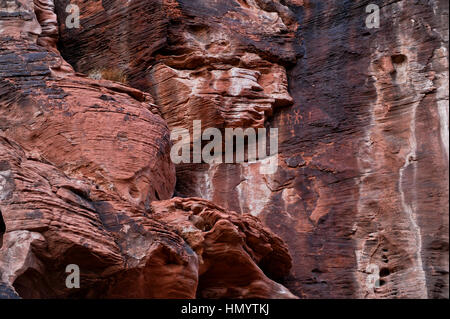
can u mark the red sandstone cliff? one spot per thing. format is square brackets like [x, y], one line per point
[86, 177]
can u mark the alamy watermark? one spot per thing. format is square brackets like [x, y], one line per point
[73, 19]
[372, 20]
[236, 140]
[373, 278]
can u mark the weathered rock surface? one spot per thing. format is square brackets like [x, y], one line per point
[195, 57]
[363, 176]
[83, 166]
[84, 127]
[235, 251]
[52, 221]
[366, 152]
[362, 114]
[51, 224]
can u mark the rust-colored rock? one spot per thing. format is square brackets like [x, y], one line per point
[51, 223]
[367, 146]
[198, 65]
[83, 166]
[362, 182]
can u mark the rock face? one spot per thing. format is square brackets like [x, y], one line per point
[83, 166]
[360, 192]
[51, 223]
[366, 152]
[235, 252]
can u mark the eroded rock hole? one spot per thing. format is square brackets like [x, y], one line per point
[398, 59]
[134, 192]
[400, 74]
[384, 272]
[244, 3]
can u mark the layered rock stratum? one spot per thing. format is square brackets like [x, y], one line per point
[86, 176]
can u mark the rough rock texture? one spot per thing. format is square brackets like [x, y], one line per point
[194, 58]
[219, 62]
[84, 127]
[363, 151]
[366, 149]
[83, 164]
[363, 133]
[121, 254]
[235, 252]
